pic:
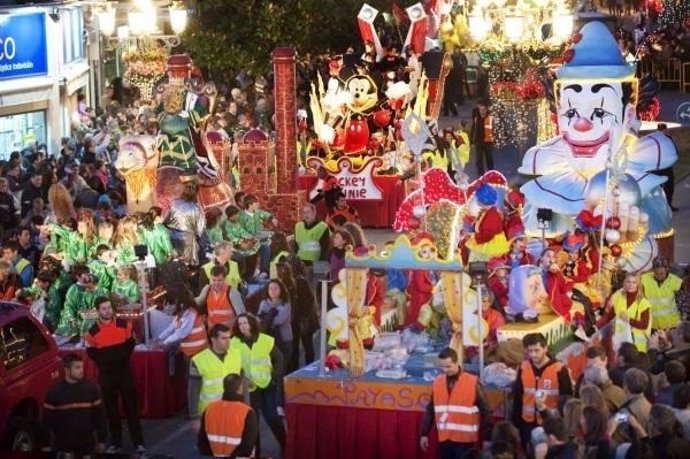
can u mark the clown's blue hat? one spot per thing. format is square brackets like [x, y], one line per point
[486, 195]
[594, 54]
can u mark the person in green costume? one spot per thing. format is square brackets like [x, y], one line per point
[103, 266]
[156, 236]
[180, 112]
[126, 237]
[105, 233]
[213, 225]
[125, 286]
[253, 220]
[79, 299]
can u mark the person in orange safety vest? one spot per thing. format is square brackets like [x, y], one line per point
[459, 409]
[223, 302]
[482, 138]
[542, 385]
[229, 427]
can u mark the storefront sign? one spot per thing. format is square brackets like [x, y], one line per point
[357, 183]
[23, 50]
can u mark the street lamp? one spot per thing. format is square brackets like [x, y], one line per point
[479, 27]
[514, 26]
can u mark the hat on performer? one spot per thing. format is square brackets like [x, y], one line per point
[486, 195]
[593, 54]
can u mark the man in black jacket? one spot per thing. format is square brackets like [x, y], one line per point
[110, 344]
[73, 417]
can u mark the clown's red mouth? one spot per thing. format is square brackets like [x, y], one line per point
[586, 148]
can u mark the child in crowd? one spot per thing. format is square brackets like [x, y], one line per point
[102, 266]
[125, 285]
[214, 225]
[155, 235]
[105, 233]
[126, 237]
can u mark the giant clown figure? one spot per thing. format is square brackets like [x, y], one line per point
[596, 96]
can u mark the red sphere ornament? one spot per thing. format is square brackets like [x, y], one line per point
[616, 250]
[382, 117]
[613, 223]
[568, 55]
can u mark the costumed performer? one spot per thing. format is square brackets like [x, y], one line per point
[422, 281]
[489, 238]
[156, 236]
[187, 223]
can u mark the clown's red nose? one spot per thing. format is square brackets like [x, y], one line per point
[583, 125]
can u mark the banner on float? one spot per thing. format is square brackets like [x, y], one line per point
[23, 46]
[357, 183]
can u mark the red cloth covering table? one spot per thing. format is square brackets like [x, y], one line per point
[373, 214]
[339, 417]
[160, 395]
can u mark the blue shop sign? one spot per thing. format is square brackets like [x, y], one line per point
[23, 50]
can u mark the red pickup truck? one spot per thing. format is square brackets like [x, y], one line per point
[29, 365]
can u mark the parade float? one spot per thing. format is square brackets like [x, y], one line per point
[549, 251]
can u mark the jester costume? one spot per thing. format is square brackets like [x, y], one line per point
[79, 299]
[128, 289]
[157, 240]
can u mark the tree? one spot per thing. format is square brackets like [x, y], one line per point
[241, 34]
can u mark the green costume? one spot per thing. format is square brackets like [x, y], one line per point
[103, 273]
[235, 233]
[215, 234]
[74, 245]
[253, 223]
[125, 253]
[175, 142]
[77, 300]
[127, 289]
[158, 242]
[55, 293]
[61, 239]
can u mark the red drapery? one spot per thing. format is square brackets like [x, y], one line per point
[373, 214]
[316, 432]
[159, 395]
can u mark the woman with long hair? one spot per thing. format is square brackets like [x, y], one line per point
[591, 395]
[632, 313]
[276, 316]
[593, 424]
[262, 363]
[126, 237]
[155, 235]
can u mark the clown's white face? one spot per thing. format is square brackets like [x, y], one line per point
[591, 118]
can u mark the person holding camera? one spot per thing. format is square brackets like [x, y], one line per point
[661, 437]
[542, 384]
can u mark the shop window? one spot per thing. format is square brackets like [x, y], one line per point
[20, 131]
[72, 34]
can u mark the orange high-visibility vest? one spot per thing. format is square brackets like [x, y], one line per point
[224, 422]
[197, 340]
[547, 383]
[218, 307]
[457, 414]
[488, 129]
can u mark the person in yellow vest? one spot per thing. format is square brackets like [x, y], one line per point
[229, 427]
[632, 313]
[660, 287]
[459, 409]
[214, 364]
[223, 302]
[188, 331]
[482, 137]
[263, 365]
[222, 257]
[312, 236]
[542, 384]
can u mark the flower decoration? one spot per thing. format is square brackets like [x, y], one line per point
[651, 111]
[144, 68]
